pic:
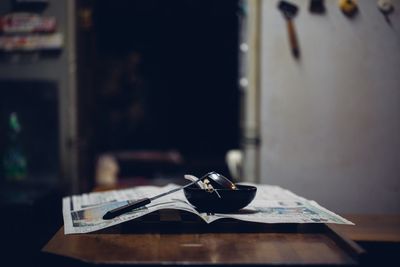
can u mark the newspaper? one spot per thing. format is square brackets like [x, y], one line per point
[272, 204]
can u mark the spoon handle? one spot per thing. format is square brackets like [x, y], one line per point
[179, 188]
[126, 208]
[142, 202]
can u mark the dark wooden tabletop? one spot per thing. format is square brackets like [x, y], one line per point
[199, 249]
[144, 243]
[210, 248]
[220, 244]
[371, 228]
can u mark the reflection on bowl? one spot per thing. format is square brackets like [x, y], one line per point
[229, 200]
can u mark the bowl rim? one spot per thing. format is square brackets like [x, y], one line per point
[240, 187]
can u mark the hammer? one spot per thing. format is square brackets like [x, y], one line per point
[289, 11]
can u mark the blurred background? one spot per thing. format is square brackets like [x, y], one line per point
[149, 84]
[95, 93]
[99, 93]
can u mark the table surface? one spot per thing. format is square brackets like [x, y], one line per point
[371, 228]
[225, 246]
[201, 248]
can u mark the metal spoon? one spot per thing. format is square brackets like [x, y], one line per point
[221, 180]
[143, 202]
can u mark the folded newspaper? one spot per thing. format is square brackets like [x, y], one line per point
[272, 204]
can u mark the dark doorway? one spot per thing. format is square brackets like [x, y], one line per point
[165, 78]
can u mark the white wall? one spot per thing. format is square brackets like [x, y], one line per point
[331, 121]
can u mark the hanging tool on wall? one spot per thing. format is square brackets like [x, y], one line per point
[386, 7]
[317, 6]
[348, 7]
[289, 11]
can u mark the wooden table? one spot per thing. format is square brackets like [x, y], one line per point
[224, 243]
[371, 228]
[379, 235]
[165, 240]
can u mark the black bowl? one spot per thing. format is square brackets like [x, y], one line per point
[230, 201]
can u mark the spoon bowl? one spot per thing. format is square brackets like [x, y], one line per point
[219, 181]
